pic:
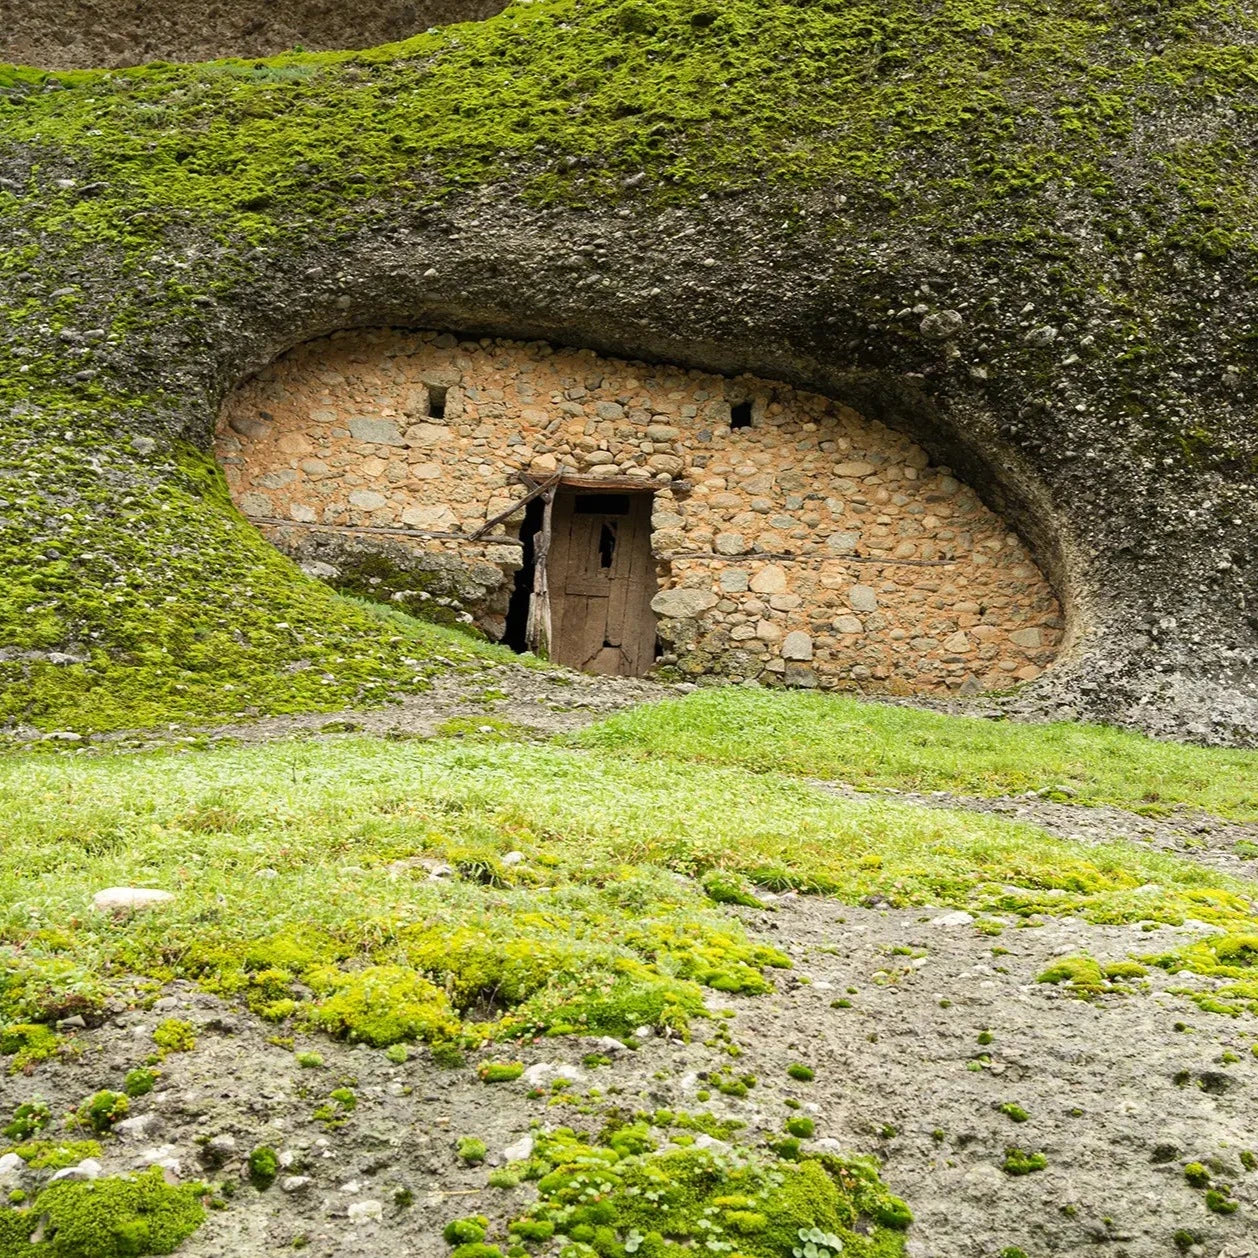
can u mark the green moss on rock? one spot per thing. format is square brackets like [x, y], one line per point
[122, 1217]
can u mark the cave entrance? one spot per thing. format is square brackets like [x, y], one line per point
[585, 588]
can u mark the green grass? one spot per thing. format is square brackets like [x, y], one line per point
[304, 861]
[875, 745]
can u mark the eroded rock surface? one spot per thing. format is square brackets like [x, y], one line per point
[90, 33]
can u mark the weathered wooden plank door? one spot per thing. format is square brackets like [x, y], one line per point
[602, 580]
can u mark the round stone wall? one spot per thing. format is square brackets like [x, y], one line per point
[82, 34]
[794, 539]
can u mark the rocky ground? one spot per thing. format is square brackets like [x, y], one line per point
[939, 1026]
[920, 1024]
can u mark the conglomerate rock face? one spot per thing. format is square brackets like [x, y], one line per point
[82, 34]
[1025, 240]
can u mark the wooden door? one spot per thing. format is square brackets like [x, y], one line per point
[602, 579]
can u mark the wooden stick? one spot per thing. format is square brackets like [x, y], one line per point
[515, 506]
[762, 554]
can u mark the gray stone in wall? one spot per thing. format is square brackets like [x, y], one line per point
[252, 428]
[381, 432]
[799, 675]
[862, 598]
[254, 503]
[797, 645]
[843, 543]
[771, 579]
[426, 434]
[730, 544]
[683, 604]
[367, 500]
[734, 580]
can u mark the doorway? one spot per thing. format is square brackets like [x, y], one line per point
[600, 578]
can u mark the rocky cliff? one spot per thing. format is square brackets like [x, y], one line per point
[1021, 233]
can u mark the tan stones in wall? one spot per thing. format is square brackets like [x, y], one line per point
[813, 546]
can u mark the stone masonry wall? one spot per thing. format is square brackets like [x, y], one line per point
[812, 546]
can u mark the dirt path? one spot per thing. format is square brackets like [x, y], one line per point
[541, 702]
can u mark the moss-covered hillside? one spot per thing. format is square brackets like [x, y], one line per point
[1041, 214]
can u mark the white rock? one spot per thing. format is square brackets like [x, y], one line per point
[361, 1211]
[294, 1183]
[116, 898]
[544, 1072]
[704, 1141]
[518, 1152]
[513, 858]
[89, 1168]
[11, 1166]
[165, 1156]
[140, 1127]
[958, 918]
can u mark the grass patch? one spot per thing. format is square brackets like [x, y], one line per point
[303, 882]
[874, 745]
[176, 609]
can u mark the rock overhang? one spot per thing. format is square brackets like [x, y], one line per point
[1092, 391]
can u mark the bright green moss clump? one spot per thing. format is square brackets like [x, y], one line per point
[175, 1036]
[1233, 955]
[731, 888]
[1085, 977]
[264, 1166]
[52, 1155]
[1019, 1163]
[499, 1071]
[384, 1004]
[667, 1203]
[106, 1218]
[465, 1231]
[28, 1043]
[139, 1082]
[100, 1111]
[29, 1118]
